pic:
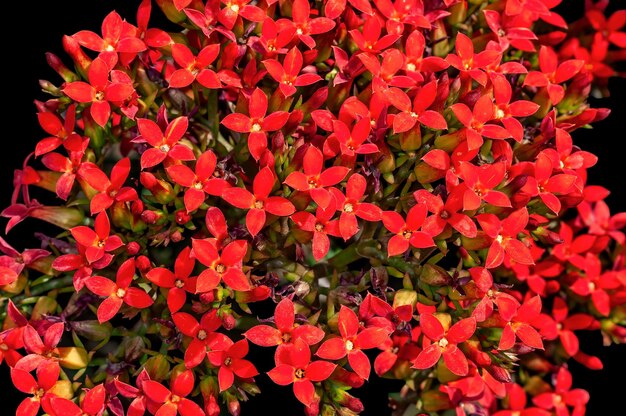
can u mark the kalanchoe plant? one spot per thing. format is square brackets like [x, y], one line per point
[359, 185]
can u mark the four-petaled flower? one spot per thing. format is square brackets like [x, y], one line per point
[259, 202]
[352, 342]
[445, 342]
[118, 292]
[296, 367]
[163, 144]
[224, 266]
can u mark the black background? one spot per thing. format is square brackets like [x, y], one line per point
[41, 25]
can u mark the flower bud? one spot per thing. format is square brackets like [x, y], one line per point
[143, 264]
[176, 236]
[132, 248]
[80, 58]
[63, 217]
[160, 189]
[55, 63]
[182, 217]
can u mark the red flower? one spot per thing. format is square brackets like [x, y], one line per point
[70, 167]
[257, 124]
[566, 325]
[113, 190]
[480, 181]
[315, 178]
[297, 368]
[194, 68]
[369, 40]
[11, 340]
[352, 342]
[98, 241]
[100, 91]
[563, 396]
[137, 406]
[505, 238]
[14, 262]
[350, 142]
[545, 185]
[595, 284]
[470, 63]
[321, 226]
[609, 28]
[287, 74]
[200, 182]
[58, 129]
[445, 343]
[520, 326]
[47, 376]
[417, 112]
[40, 351]
[169, 403]
[445, 214]
[415, 63]
[407, 232]
[259, 202]
[224, 266]
[287, 332]
[305, 26]
[163, 145]
[517, 403]
[230, 362]
[235, 8]
[351, 207]
[475, 122]
[117, 36]
[203, 335]
[506, 111]
[179, 282]
[118, 292]
[335, 8]
[552, 73]
[384, 73]
[401, 12]
[92, 405]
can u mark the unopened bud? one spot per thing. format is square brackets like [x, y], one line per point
[132, 248]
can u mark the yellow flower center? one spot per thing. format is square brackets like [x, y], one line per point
[349, 345]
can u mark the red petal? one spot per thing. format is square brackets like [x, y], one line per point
[304, 391]
[431, 327]
[455, 360]
[137, 298]
[108, 308]
[332, 349]
[348, 322]
[360, 363]
[428, 357]
[264, 336]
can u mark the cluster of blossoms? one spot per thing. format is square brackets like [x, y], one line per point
[367, 187]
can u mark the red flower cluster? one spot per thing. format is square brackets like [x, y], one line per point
[353, 183]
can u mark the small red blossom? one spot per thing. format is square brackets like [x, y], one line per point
[505, 238]
[203, 335]
[117, 36]
[231, 362]
[259, 202]
[194, 68]
[257, 124]
[418, 111]
[315, 178]
[224, 266]
[200, 182]
[321, 226]
[351, 207]
[477, 124]
[407, 233]
[164, 145]
[520, 326]
[118, 292]
[287, 332]
[100, 91]
[92, 405]
[179, 282]
[113, 190]
[97, 241]
[174, 401]
[444, 342]
[553, 73]
[563, 395]
[352, 342]
[288, 75]
[296, 367]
